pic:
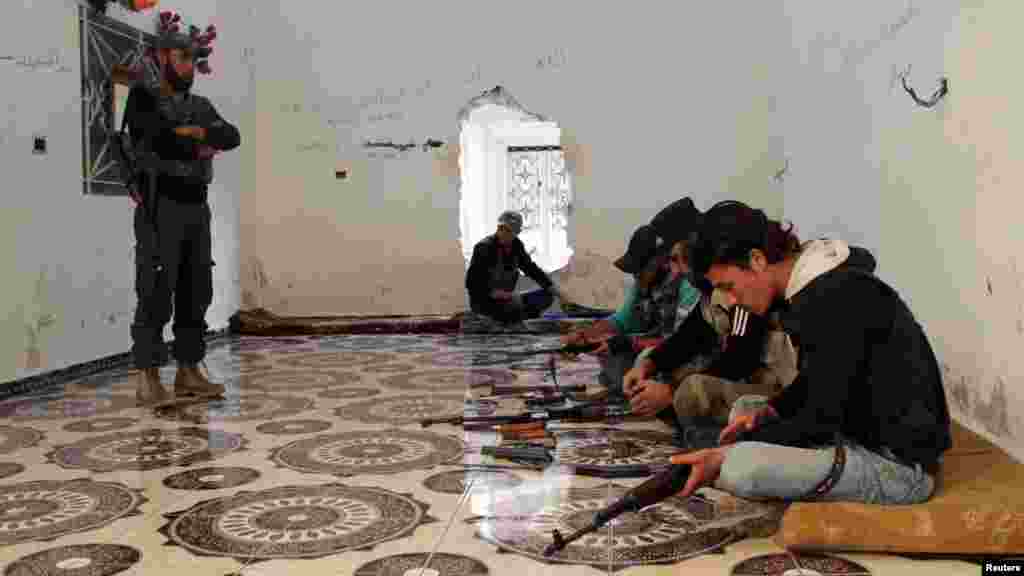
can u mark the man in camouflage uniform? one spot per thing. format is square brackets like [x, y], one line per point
[176, 134]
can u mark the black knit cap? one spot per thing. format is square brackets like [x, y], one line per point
[676, 221]
[644, 245]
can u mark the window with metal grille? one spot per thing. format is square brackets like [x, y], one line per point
[538, 187]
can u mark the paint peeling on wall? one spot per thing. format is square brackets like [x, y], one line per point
[37, 320]
[992, 414]
[591, 279]
[256, 277]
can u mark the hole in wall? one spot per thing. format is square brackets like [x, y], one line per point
[511, 159]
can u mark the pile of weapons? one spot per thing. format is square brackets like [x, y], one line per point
[527, 440]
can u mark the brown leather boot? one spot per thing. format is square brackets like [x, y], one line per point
[149, 390]
[189, 381]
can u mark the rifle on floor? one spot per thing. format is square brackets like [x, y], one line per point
[538, 390]
[578, 413]
[663, 485]
[533, 399]
[569, 349]
[525, 454]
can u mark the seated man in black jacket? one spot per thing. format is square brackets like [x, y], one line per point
[866, 419]
[494, 272]
[717, 355]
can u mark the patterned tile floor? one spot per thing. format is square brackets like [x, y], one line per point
[315, 461]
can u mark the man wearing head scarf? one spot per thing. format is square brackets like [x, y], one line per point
[176, 134]
[494, 272]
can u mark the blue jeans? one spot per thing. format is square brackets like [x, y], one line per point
[760, 471]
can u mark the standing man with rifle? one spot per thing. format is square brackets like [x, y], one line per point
[176, 133]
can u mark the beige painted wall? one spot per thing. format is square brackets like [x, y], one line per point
[670, 108]
[933, 192]
[952, 219]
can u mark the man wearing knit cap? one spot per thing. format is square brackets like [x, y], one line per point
[494, 272]
[176, 134]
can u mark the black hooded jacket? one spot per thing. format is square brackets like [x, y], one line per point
[743, 353]
[867, 370]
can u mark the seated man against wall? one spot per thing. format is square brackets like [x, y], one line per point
[494, 272]
[866, 418]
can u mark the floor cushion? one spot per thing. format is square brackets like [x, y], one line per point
[977, 509]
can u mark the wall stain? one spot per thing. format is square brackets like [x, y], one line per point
[35, 326]
[249, 300]
[988, 284]
[958, 390]
[994, 415]
[259, 274]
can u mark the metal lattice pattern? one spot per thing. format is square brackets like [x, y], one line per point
[525, 194]
[104, 43]
[539, 189]
[558, 190]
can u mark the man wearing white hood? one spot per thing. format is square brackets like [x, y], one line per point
[866, 419]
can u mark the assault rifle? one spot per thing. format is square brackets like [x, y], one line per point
[663, 485]
[578, 413]
[543, 390]
[570, 349]
[529, 454]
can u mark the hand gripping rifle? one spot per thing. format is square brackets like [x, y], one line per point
[663, 485]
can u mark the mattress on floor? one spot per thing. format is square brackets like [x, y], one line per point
[261, 322]
[977, 509]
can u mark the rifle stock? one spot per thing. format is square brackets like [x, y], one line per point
[654, 490]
